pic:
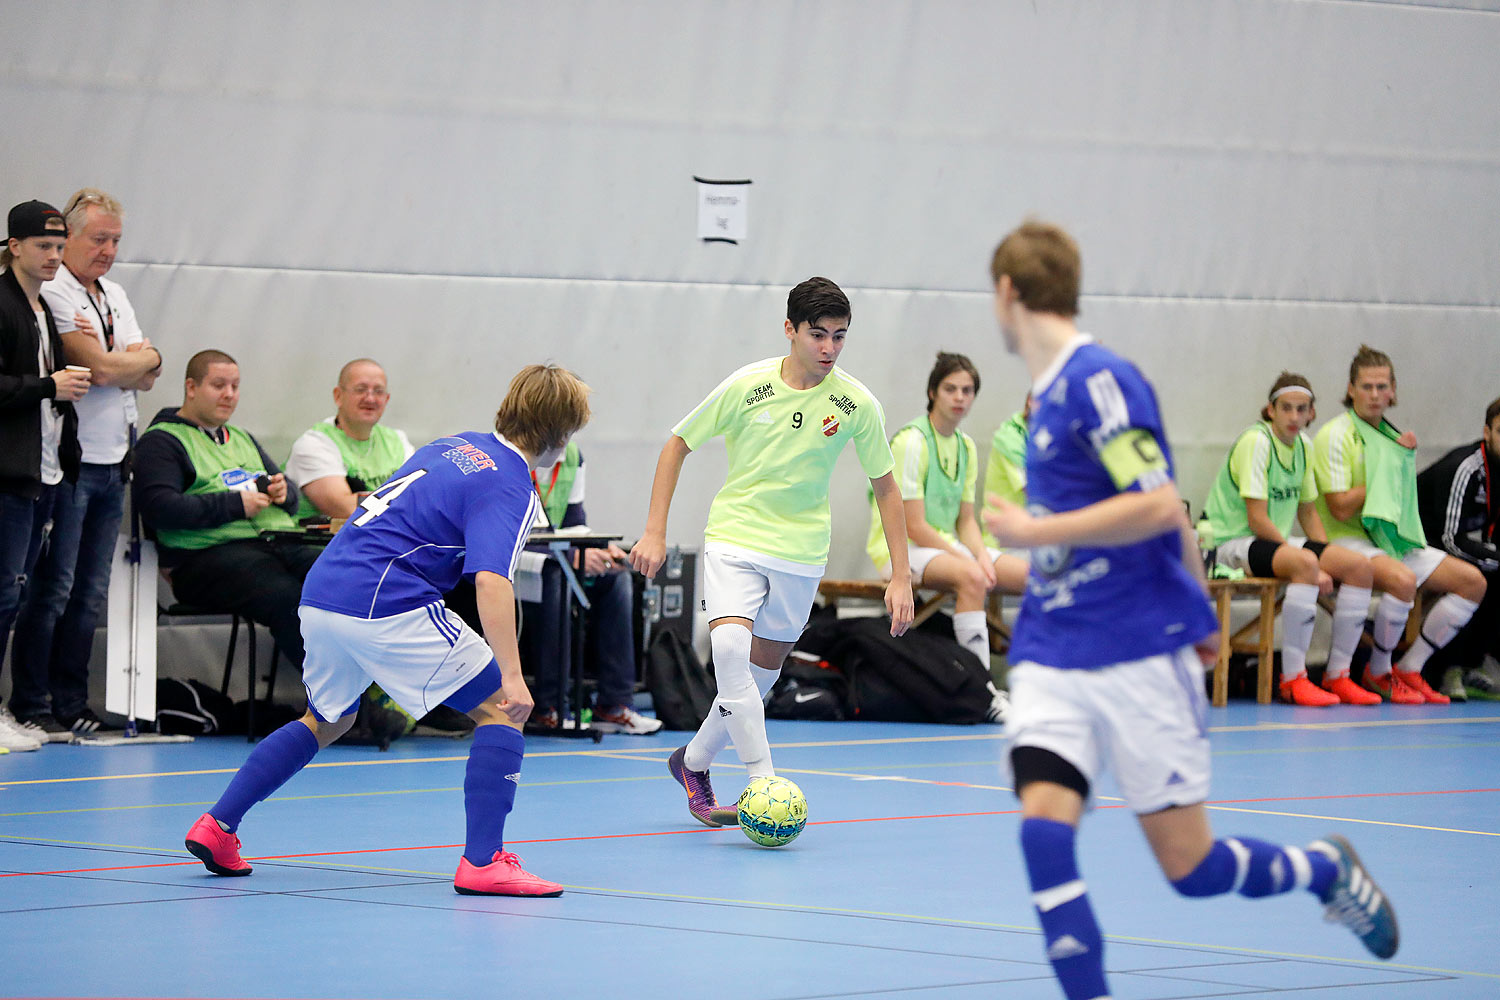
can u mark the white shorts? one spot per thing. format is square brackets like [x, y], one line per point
[1235, 553]
[1144, 719]
[1421, 561]
[738, 585]
[418, 657]
[919, 557]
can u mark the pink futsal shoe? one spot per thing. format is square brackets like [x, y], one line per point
[503, 876]
[700, 792]
[219, 851]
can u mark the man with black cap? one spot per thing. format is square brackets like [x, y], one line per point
[38, 428]
[69, 589]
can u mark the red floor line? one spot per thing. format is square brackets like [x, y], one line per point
[673, 833]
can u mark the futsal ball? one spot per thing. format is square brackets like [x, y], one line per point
[772, 811]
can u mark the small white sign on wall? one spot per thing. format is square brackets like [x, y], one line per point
[723, 210]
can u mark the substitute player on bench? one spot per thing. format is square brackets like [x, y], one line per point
[784, 420]
[1105, 664]
[372, 610]
[1265, 482]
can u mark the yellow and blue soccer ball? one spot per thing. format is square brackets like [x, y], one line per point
[772, 811]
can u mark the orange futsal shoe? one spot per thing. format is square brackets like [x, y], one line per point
[1349, 692]
[503, 876]
[1301, 691]
[1418, 683]
[1392, 688]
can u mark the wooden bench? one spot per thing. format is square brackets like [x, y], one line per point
[1263, 627]
[832, 591]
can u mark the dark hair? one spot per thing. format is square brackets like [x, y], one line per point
[946, 365]
[1286, 380]
[1368, 357]
[197, 366]
[815, 299]
[1044, 267]
[1491, 412]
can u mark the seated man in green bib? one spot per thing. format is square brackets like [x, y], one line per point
[351, 453]
[206, 489]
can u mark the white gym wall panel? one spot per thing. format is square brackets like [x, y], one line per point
[460, 188]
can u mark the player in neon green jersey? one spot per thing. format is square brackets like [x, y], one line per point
[937, 470]
[1367, 482]
[1264, 484]
[784, 421]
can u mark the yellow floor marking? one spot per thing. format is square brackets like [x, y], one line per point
[1351, 819]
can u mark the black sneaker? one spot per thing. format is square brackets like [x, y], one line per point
[86, 724]
[45, 727]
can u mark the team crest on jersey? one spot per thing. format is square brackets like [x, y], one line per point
[830, 426]
[469, 459]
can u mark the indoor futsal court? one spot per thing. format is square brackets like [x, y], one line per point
[905, 883]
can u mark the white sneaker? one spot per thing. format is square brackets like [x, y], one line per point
[625, 720]
[999, 704]
[13, 737]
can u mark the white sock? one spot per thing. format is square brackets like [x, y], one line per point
[1390, 619]
[1443, 622]
[973, 633]
[1349, 612]
[1298, 613]
[738, 711]
[713, 735]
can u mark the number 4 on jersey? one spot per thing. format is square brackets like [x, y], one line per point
[379, 501]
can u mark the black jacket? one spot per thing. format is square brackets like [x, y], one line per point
[1456, 496]
[22, 389]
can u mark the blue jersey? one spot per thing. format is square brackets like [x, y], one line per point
[459, 505]
[1096, 432]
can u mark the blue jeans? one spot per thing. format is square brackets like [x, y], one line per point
[608, 640]
[22, 529]
[68, 592]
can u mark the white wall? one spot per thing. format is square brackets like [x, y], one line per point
[458, 188]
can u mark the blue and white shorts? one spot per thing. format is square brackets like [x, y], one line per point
[1146, 720]
[418, 657]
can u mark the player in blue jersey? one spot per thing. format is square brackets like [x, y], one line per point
[372, 610]
[1113, 634]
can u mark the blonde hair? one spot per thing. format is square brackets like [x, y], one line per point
[544, 406]
[75, 213]
[1044, 266]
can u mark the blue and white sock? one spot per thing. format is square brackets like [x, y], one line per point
[270, 765]
[1256, 868]
[1075, 946]
[490, 781]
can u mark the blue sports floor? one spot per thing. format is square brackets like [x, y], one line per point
[906, 883]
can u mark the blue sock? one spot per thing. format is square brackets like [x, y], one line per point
[490, 781]
[269, 766]
[1074, 945]
[1256, 868]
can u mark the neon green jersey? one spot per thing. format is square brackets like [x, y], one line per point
[1260, 467]
[1005, 475]
[782, 444]
[918, 479]
[1339, 465]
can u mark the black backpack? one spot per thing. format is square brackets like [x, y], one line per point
[194, 709]
[809, 688]
[924, 676]
[682, 689]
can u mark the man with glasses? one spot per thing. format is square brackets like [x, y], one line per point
[38, 427]
[69, 589]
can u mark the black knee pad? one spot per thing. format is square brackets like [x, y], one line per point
[1030, 764]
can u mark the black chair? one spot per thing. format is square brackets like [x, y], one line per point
[188, 611]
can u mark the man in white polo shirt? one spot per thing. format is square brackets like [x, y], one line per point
[55, 628]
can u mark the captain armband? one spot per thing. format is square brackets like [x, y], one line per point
[1132, 457]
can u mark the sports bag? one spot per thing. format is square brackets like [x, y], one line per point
[682, 689]
[810, 688]
[192, 708]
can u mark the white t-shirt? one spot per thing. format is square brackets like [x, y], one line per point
[314, 456]
[51, 421]
[105, 413]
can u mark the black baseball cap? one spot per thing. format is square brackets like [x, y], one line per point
[35, 218]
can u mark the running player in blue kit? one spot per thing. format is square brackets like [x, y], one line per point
[1111, 630]
[372, 610]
